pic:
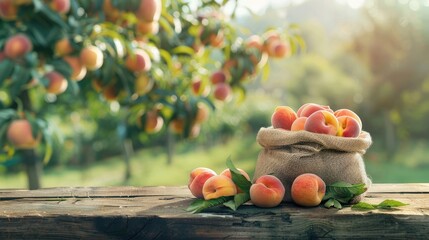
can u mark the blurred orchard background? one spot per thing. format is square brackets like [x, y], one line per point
[189, 84]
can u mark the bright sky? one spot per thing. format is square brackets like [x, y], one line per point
[259, 6]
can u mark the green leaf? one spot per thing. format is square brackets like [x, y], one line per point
[332, 202]
[363, 206]
[237, 177]
[329, 203]
[3, 139]
[199, 205]
[34, 126]
[166, 26]
[7, 115]
[167, 58]
[239, 199]
[20, 77]
[6, 69]
[47, 137]
[39, 6]
[387, 204]
[183, 50]
[62, 67]
[240, 93]
[265, 72]
[337, 204]
[231, 204]
[343, 191]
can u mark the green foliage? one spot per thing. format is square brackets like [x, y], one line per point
[342, 193]
[397, 78]
[200, 205]
[193, 40]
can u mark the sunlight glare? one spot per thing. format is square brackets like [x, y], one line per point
[355, 4]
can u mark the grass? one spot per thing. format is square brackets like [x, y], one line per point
[386, 172]
[149, 166]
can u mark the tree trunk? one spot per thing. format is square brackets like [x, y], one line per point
[33, 166]
[128, 152]
[170, 147]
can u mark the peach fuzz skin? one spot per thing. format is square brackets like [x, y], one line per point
[350, 127]
[283, 117]
[308, 190]
[309, 108]
[17, 46]
[91, 57]
[298, 124]
[197, 178]
[19, 133]
[323, 122]
[350, 113]
[267, 191]
[222, 91]
[218, 186]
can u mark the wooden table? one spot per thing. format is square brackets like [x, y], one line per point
[159, 212]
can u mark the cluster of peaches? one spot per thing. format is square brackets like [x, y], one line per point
[317, 118]
[82, 59]
[267, 191]
[90, 57]
[9, 8]
[147, 13]
[252, 56]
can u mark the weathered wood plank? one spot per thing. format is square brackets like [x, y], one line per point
[94, 192]
[400, 188]
[159, 212]
[129, 191]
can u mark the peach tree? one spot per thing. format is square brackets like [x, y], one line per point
[168, 63]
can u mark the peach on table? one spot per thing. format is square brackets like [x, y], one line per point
[197, 178]
[308, 190]
[219, 186]
[267, 191]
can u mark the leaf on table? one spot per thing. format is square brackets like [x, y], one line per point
[389, 203]
[337, 204]
[239, 199]
[231, 204]
[363, 206]
[332, 202]
[199, 205]
[386, 204]
[329, 203]
[344, 192]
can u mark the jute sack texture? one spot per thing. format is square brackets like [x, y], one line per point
[288, 154]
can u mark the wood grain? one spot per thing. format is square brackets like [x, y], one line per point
[159, 213]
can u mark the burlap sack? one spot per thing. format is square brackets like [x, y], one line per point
[287, 154]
